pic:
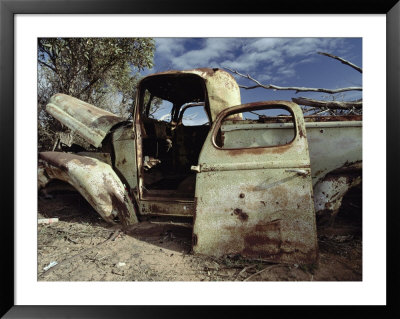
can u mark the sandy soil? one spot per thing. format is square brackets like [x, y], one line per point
[85, 249]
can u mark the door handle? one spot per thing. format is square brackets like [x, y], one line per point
[195, 168]
[301, 172]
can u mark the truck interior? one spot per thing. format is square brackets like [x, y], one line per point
[174, 120]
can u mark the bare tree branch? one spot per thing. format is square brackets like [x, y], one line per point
[342, 60]
[334, 105]
[98, 77]
[47, 65]
[297, 89]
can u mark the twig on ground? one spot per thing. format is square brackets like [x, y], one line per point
[243, 271]
[70, 240]
[112, 237]
[261, 271]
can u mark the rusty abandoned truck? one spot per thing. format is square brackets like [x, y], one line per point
[249, 178]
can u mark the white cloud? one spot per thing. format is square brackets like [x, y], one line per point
[264, 58]
[263, 44]
[170, 46]
[212, 49]
[253, 60]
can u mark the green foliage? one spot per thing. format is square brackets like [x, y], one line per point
[100, 71]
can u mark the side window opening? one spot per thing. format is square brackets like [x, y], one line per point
[274, 127]
[193, 114]
[156, 108]
[162, 112]
[174, 118]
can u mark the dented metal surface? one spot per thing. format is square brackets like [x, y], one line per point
[123, 143]
[103, 157]
[333, 147]
[330, 191]
[95, 180]
[90, 122]
[252, 201]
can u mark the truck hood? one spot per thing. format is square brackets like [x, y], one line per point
[88, 121]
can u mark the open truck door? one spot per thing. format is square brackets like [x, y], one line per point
[254, 193]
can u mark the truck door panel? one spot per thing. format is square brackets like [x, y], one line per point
[255, 200]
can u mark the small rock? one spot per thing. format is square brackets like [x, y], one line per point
[120, 272]
[120, 264]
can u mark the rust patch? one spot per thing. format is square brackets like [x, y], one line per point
[208, 71]
[313, 118]
[258, 150]
[279, 193]
[158, 209]
[106, 120]
[319, 172]
[103, 197]
[194, 240]
[263, 239]
[222, 139]
[335, 118]
[123, 211]
[241, 215]
[354, 168]
[301, 133]
[194, 209]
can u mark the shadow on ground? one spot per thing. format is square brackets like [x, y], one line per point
[156, 251]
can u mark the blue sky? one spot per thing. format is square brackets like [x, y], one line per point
[279, 61]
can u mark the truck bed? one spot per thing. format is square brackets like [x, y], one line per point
[333, 141]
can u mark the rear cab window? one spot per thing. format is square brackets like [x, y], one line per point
[269, 127]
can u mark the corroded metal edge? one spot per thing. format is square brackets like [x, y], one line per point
[95, 180]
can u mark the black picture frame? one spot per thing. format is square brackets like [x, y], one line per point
[8, 9]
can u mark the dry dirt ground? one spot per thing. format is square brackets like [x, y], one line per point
[161, 251]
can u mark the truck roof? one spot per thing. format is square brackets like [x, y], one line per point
[222, 91]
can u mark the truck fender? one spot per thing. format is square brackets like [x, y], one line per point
[94, 180]
[329, 192]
